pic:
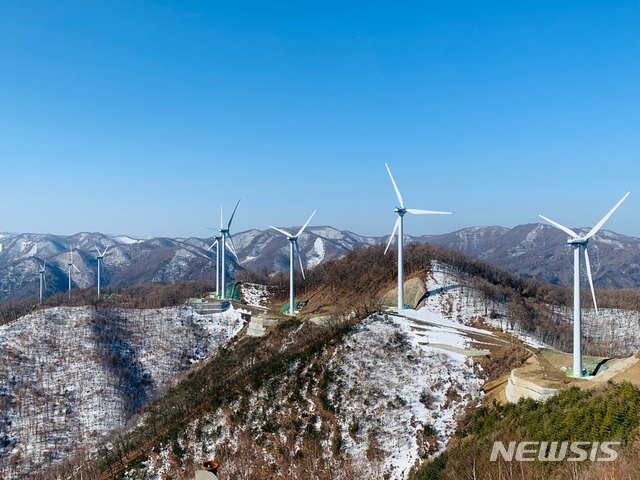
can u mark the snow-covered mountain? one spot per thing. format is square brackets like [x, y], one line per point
[132, 261]
[540, 252]
[531, 251]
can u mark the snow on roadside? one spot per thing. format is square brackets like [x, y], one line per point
[426, 314]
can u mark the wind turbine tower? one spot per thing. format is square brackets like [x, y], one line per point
[71, 265]
[579, 244]
[399, 227]
[217, 243]
[43, 280]
[294, 249]
[226, 235]
[100, 257]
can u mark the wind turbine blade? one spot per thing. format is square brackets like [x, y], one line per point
[588, 265]
[599, 225]
[393, 234]
[232, 248]
[299, 258]
[566, 230]
[415, 211]
[105, 250]
[221, 218]
[280, 230]
[234, 212]
[213, 245]
[77, 270]
[204, 256]
[395, 186]
[305, 225]
[97, 250]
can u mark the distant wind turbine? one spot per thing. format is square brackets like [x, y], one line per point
[579, 244]
[43, 280]
[226, 235]
[399, 227]
[99, 258]
[71, 265]
[294, 249]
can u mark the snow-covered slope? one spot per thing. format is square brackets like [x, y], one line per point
[384, 398]
[394, 392]
[69, 376]
[375, 404]
[368, 405]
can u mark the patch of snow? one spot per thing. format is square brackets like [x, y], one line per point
[327, 232]
[126, 240]
[317, 253]
[254, 294]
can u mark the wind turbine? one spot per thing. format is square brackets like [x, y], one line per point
[579, 244]
[70, 265]
[293, 249]
[399, 226]
[217, 244]
[226, 234]
[99, 258]
[43, 279]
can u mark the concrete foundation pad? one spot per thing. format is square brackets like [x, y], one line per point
[256, 328]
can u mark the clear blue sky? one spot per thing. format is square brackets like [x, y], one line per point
[140, 117]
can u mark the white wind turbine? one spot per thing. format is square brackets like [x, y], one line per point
[293, 250]
[99, 257]
[43, 279]
[579, 244]
[226, 234]
[399, 226]
[71, 265]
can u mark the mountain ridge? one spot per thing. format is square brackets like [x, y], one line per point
[532, 251]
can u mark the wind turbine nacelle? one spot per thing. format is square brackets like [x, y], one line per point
[577, 241]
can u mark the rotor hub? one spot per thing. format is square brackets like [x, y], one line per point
[400, 211]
